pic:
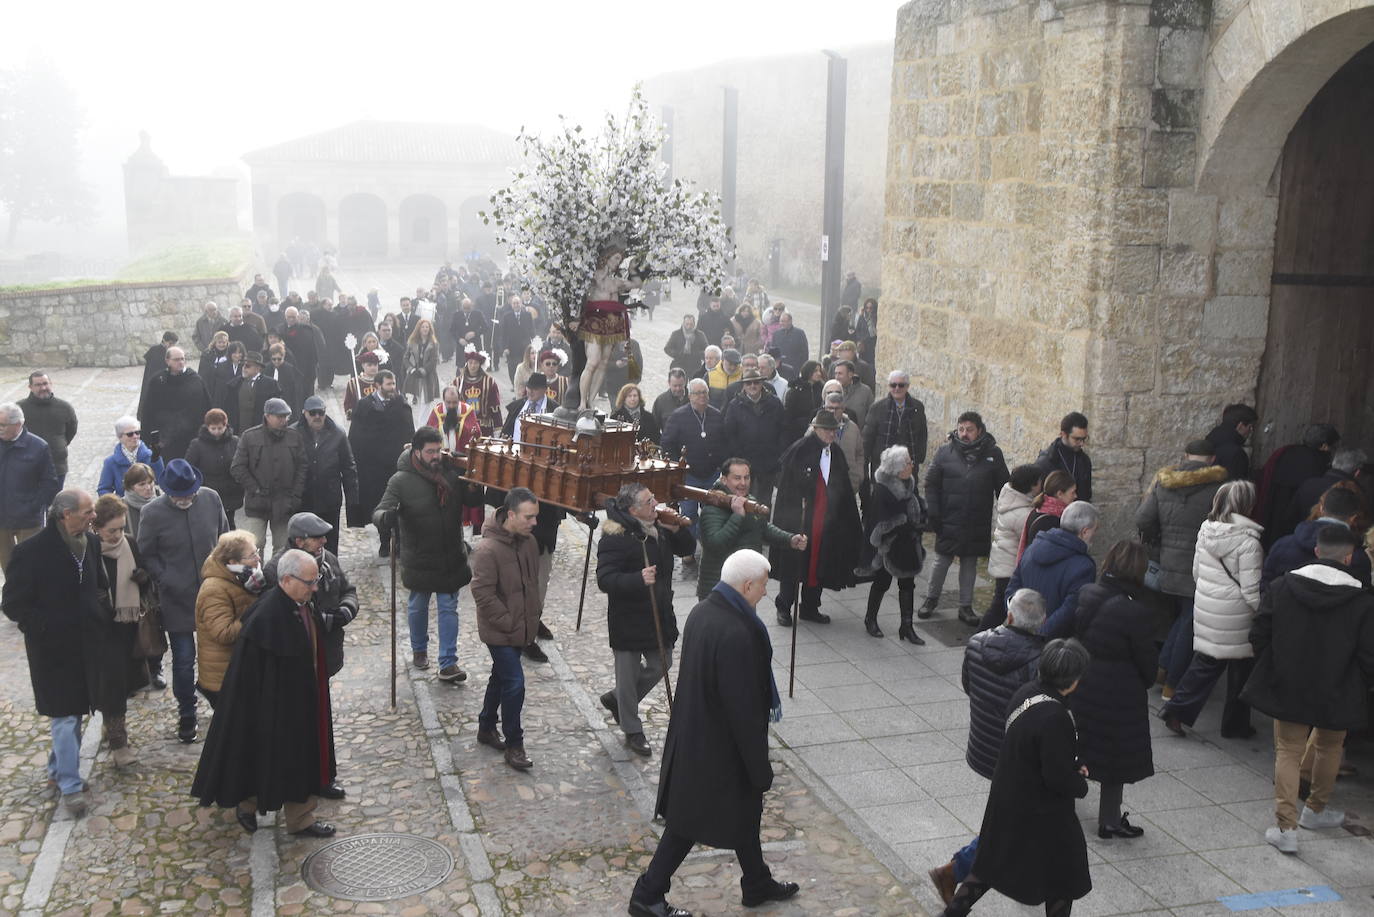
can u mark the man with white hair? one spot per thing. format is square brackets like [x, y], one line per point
[715, 762]
[209, 322]
[1057, 564]
[28, 480]
[897, 419]
[696, 433]
[271, 742]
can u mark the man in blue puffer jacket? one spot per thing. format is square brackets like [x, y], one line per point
[1057, 565]
[28, 480]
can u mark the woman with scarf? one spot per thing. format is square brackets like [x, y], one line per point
[629, 407]
[120, 673]
[422, 363]
[217, 354]
[892, 546]
[1056, 493]
[686, 345]
[140, 489]
[231, 580]
[747, 329]
[129, 448]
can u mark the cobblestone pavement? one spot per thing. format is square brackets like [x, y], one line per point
[871, 791]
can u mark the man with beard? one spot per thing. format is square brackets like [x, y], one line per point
[382, 427]
[336, 599]
[50, 419]
[815, 497]
[427, 498]
[479, 391]
[331, 476]
[174, 405]
[271, 742]
[455, 420]
[301, 339]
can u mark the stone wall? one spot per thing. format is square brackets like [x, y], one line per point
[1080, 212]
[109, 325]
[781, 153]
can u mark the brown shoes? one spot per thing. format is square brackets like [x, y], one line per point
[491, 738]
[420, 660]
[515, 757]
[942, 877]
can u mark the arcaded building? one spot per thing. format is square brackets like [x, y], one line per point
[1143, 210]
[382, 190]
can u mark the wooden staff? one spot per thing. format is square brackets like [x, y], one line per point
[792, 666]
[586, 566]
[658, 625]
[395, 549]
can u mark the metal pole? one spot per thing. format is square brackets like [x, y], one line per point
[658, 627]
[395, 549]
[832, 218]
[586, 565]
[796, 625]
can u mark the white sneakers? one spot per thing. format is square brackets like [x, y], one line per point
[1285, 841]
[1326, 818]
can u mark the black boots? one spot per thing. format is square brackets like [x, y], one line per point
[906, 600]
[871, 618]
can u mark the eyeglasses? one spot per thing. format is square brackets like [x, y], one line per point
[898, 384]
[308, 582]
[132, 433]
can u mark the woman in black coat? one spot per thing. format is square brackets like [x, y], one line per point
[1111, 705]
[803, 401]
[212, 452]
[961, 494]
[833, 538]
[892, 539]
[1031, 846]
[380, 430]
[630, 408]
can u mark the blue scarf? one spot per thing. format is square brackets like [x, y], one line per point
[732, 596]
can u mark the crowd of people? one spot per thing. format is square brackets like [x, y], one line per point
[217, 518]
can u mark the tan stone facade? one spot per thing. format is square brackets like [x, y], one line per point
[1080, 213]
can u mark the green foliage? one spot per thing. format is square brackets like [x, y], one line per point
[180, 261]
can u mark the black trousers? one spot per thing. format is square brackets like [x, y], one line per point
[1193, 689]
[968, 893]
[787, 597]
[657, 880]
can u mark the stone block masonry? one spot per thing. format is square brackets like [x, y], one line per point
[110, 325]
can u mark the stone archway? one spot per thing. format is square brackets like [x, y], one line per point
[300, 216]
[424, 227]
[362, 227]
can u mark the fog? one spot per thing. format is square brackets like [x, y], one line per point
[210, 82]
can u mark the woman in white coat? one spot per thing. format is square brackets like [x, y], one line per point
[1226, 568]
[1013, 506]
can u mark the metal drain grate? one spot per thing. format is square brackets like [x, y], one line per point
[377, 867]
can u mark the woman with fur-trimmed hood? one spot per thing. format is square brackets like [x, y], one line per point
[892, 546]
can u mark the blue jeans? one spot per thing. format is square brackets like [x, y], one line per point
[963, 860]
[506, 690]
[417, 613]
[64, 761]
[183, 647]
[691, 508]
[1177, 651]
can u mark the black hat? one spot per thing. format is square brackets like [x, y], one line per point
[307, 525]
[537, 380]
[253, 356]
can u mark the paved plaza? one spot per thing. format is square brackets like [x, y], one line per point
[872, 788]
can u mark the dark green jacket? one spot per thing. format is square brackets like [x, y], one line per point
[434, 557]
[723, 533]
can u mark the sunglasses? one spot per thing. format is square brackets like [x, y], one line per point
[132, 433]
[897, 384]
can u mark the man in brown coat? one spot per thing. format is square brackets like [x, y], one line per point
[505, 586]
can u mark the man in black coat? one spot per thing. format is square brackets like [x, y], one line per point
[381, 428]
[1285, 471]
[174, 406]
[896, 420]
[791, 344]
[714, 322]
[631, 560]
[331, 476]
[1229, 438]
[1345, 466]
[696, 433]
[1313, 638]
[672, 399]
[816, 499]
[248, 394]
[50, 419]
[715, 761]
[56, 604]
[240, 330]
[1067, 454]
[301, 339]
[513, 327]
[470, 329]
[754, 430]
[155, 358]
[271, 742]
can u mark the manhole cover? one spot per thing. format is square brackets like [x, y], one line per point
[377, 867]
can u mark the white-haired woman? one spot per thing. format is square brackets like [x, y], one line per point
[129, 448]
[1226, 567]
[892, 540]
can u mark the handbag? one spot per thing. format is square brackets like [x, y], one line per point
[150, 640]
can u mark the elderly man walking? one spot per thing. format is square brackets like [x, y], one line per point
[271, 742]
[271, 464]
[715, 761]
[52, 590]
[28, 480]
[176, 532]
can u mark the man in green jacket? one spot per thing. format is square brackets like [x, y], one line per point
[725, 531]
[427, 498]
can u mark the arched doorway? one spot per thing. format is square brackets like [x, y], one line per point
[300, 216]
[474, 236]
[1321, 313]
[424, 227]
[362, 227]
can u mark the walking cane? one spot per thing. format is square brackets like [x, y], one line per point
[586, 566]
[658, 628]
[395, 549]
[792, 666]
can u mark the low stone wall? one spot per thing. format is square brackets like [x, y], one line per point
[110, 325]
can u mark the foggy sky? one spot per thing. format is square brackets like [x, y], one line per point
[213, 81]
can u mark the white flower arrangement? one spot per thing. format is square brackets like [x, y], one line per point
[574, 198]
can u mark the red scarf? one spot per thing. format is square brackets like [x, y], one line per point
[1052, 506]
[434, 477]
